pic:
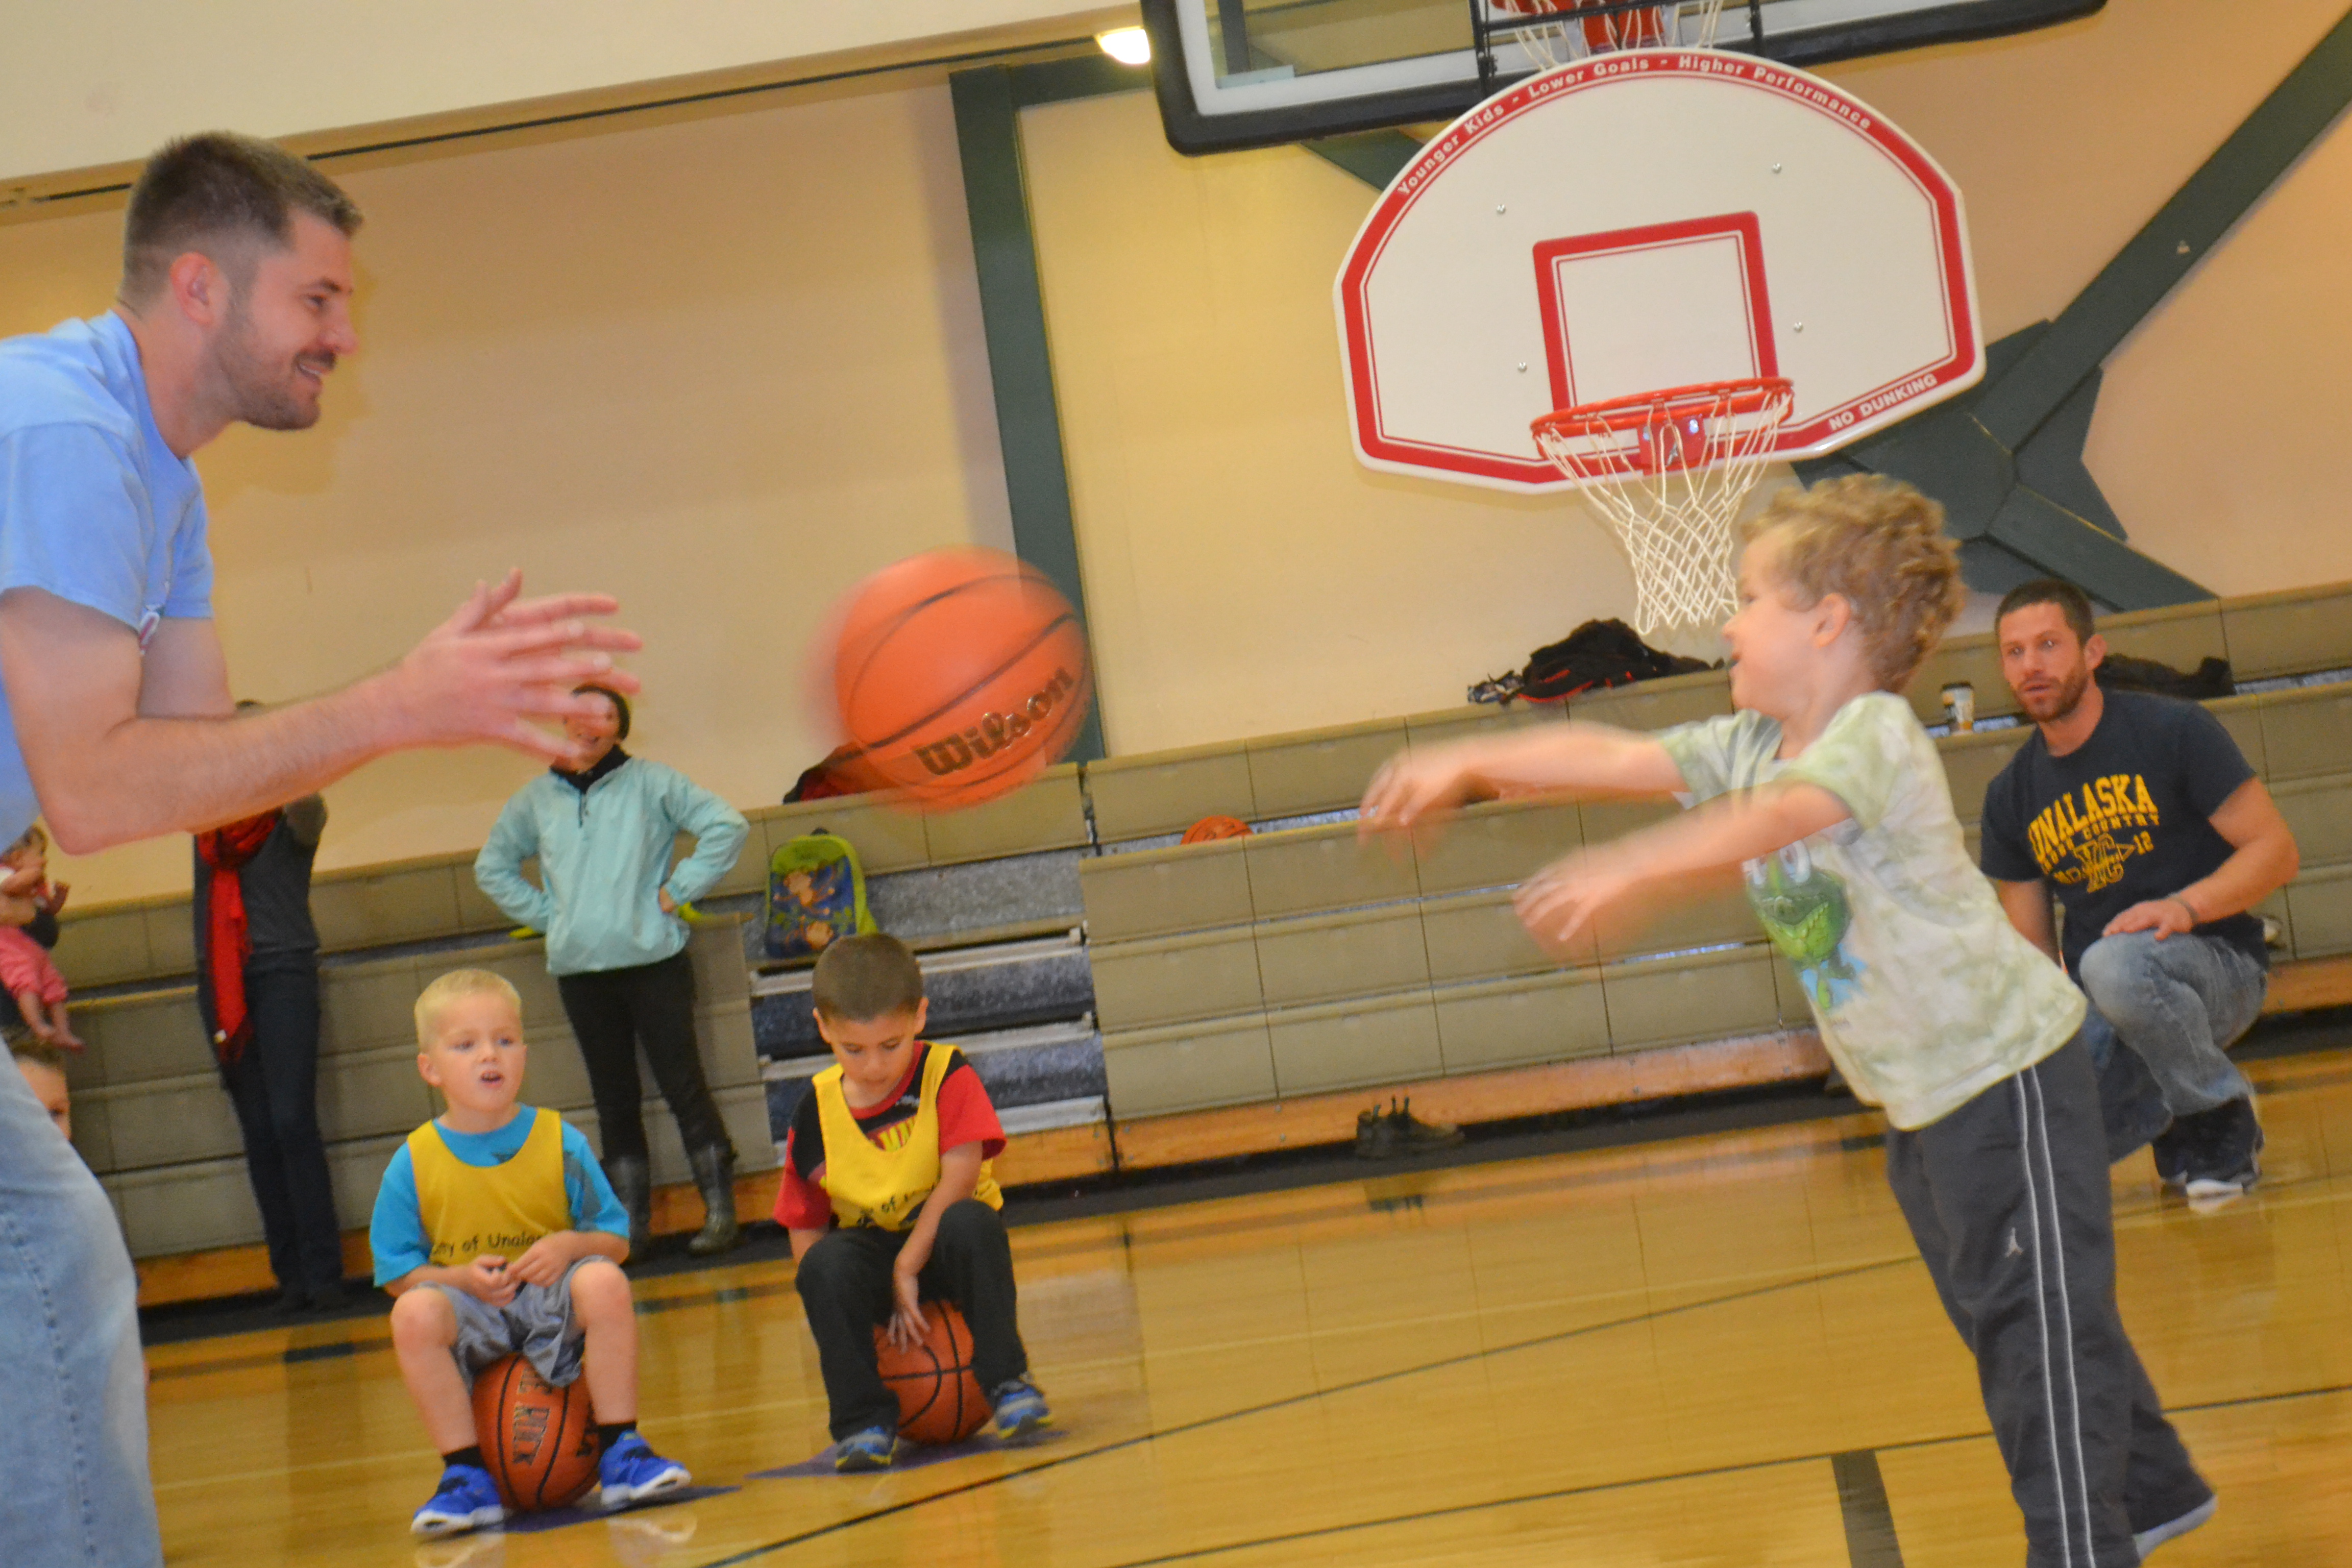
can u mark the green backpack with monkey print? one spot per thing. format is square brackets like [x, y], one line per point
[816, 894]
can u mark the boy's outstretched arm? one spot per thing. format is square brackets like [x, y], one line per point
[1563, 900]
[1569, 759]
[959, 1178]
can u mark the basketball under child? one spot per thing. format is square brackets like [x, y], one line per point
[890, 1200]
[1824, 787]
[497, 1235]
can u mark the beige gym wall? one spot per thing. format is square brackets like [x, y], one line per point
[720, 366]
[93, 86]
[1246, 574]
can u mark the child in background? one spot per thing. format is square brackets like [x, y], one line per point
[496, 1233]
[890, 1200]
[25, 966]
[43, 1066]
[1826, 789]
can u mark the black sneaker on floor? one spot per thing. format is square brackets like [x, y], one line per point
[2172, 1149]
[2225, 1151]
[1376, 1135]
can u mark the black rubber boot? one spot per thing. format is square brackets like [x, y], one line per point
[1413, 1134]
[714, 1173]
[633, 1184]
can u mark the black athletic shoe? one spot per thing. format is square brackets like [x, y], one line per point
[1376, 1135]
[2173, 1148]
[2225, 1150]
[2155, 1536]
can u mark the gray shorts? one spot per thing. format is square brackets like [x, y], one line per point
[537, 1324]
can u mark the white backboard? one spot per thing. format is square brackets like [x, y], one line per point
[1646, 220]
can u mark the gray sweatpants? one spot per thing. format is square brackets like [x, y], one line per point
[2008, 1199]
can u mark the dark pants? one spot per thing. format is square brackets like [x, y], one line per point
[845, 1285]
[273, 1084]
[613, 1011]
[2008, 1199]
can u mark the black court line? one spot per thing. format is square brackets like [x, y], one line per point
[1865, 1505]
[1560, 1494]
[1872, 1546]
[1754, 1292]
[1869, 1522]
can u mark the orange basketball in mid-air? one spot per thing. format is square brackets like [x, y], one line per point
[960, 675]
[940, 1398]
[539, 1441]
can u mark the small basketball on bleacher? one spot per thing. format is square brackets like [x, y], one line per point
[538, 1442]
[940, 1398]
[960, 675]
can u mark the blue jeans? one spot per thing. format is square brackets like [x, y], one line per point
[73, 1399]
[2178, 1004]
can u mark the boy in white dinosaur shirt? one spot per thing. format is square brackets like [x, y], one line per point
[1826, 790]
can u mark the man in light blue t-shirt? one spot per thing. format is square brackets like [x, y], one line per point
[116, 722]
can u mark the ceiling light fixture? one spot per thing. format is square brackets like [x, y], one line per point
[1128, 45]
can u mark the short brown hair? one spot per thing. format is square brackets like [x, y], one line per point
[1879, 544]
[455, 984]
[206, 192]
[867, 977]
[2071, 602]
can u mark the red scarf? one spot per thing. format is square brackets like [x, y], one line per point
[226, 850]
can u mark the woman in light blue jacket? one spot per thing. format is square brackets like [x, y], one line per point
[608, 900]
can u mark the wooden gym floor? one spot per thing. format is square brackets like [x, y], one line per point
[1711, 1351]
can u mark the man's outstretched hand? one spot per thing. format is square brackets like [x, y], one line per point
[503, 661]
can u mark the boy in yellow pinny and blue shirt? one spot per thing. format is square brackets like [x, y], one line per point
[890, 1200]
[1826, 791]
[496, 1235]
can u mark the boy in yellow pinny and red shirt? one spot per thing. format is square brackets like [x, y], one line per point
[890, 1200]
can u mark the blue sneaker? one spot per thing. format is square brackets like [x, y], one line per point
[467, 1499]
[872, 1449]
[632, 1472]
[1020, 1409]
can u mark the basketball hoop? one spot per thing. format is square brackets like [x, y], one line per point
[1669, 470]
[1557, 31]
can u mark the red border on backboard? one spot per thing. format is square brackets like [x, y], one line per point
[1764, 356]
[1825, 431]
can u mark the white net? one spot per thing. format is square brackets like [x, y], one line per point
[1555, 32]
[1669, 470]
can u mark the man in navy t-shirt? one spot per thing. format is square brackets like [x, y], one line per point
[234, 307]
[2140, 814]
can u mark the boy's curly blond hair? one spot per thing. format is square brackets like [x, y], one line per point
[1880, 544]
